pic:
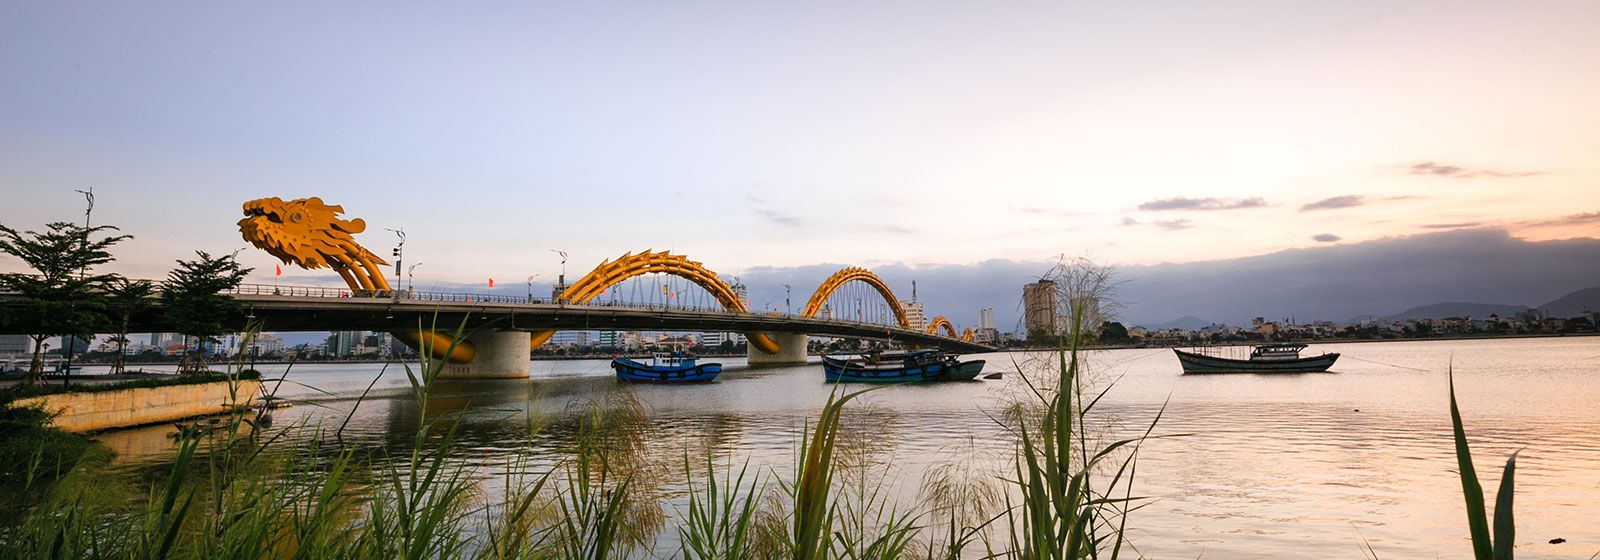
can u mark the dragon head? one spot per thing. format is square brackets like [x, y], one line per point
[306, 232]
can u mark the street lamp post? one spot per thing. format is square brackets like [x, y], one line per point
[399, 257]
[411, 278]
[530, 287]
[787, 308]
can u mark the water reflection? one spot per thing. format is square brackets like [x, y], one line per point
[1278, 466]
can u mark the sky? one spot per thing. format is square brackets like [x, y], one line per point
[755, 136]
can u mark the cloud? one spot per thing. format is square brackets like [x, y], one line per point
[1333, 282]
[1185, 203]
[1173, 224]
[1579, 219]
[1345, 201]
[1453, 226]
[1326, 237]
[896, 229]
[780, 218]
[1457, 172]
[1127, 221]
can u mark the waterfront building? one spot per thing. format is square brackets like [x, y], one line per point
[916, 318]
[717, 338]
[16, 344]
[570, 338]
[343, 343]
[986, 318]
[610, 339]
[1039, 308]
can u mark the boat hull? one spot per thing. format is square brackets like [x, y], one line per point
[965, 371]
[637, 372]
[1200, 363]
[842, 371]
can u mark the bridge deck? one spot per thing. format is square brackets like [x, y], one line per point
[318, 313]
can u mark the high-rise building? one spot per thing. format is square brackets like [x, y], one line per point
[16, 344]
[570, 338]
[610, 339]
[343, 343]
[986, 318]
[1039, 308]
[916, 319]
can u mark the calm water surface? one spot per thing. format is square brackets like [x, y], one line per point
[1288, 466]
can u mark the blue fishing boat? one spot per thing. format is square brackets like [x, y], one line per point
[665, 368]
[886, 367]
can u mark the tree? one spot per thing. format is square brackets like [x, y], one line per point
[63, 297]
[126, 298]
[1112, 332]
[193, 303]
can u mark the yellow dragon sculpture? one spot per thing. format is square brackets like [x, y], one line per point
[309, 233]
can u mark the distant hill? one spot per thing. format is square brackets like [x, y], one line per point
[1454, 309]
[1572, 304]
[1186, 322]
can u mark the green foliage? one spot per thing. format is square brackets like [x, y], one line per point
[64, 295]
[192, 300]
[23, 391]
[1485, 546]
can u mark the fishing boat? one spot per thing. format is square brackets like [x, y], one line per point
[665, 368]
[1269, 358]
[957, 370]
[900, 367]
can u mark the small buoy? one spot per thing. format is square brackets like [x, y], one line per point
[1358, 410]
[1557, 540]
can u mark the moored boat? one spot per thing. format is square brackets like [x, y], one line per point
[1269, 358]
[957, 370]
[886, 367]
[665, 368]
[900, 367]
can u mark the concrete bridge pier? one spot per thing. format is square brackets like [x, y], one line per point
[501, 355]
[792, 350]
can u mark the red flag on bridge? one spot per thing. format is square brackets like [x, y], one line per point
[491, 283]
[277, 270]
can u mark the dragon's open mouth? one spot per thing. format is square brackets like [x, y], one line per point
[259, 212]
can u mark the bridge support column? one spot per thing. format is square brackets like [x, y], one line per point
[501, 355]
[793, 351]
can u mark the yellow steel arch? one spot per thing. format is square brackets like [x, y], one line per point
[942, 322]
[840, 278]
[611, 273]
[966, 335]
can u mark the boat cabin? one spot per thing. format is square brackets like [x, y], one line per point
[1270, 352]
[672, 360]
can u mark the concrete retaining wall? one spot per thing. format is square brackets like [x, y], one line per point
[85, 412]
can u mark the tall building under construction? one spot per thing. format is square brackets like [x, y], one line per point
[1039, 308]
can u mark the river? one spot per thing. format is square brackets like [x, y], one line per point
[1285, 466]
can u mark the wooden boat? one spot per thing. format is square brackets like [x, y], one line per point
[1270, 358]
[665, 368]
[957, 370]
[886, 367]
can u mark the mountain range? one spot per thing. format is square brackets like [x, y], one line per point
[1570, 305]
